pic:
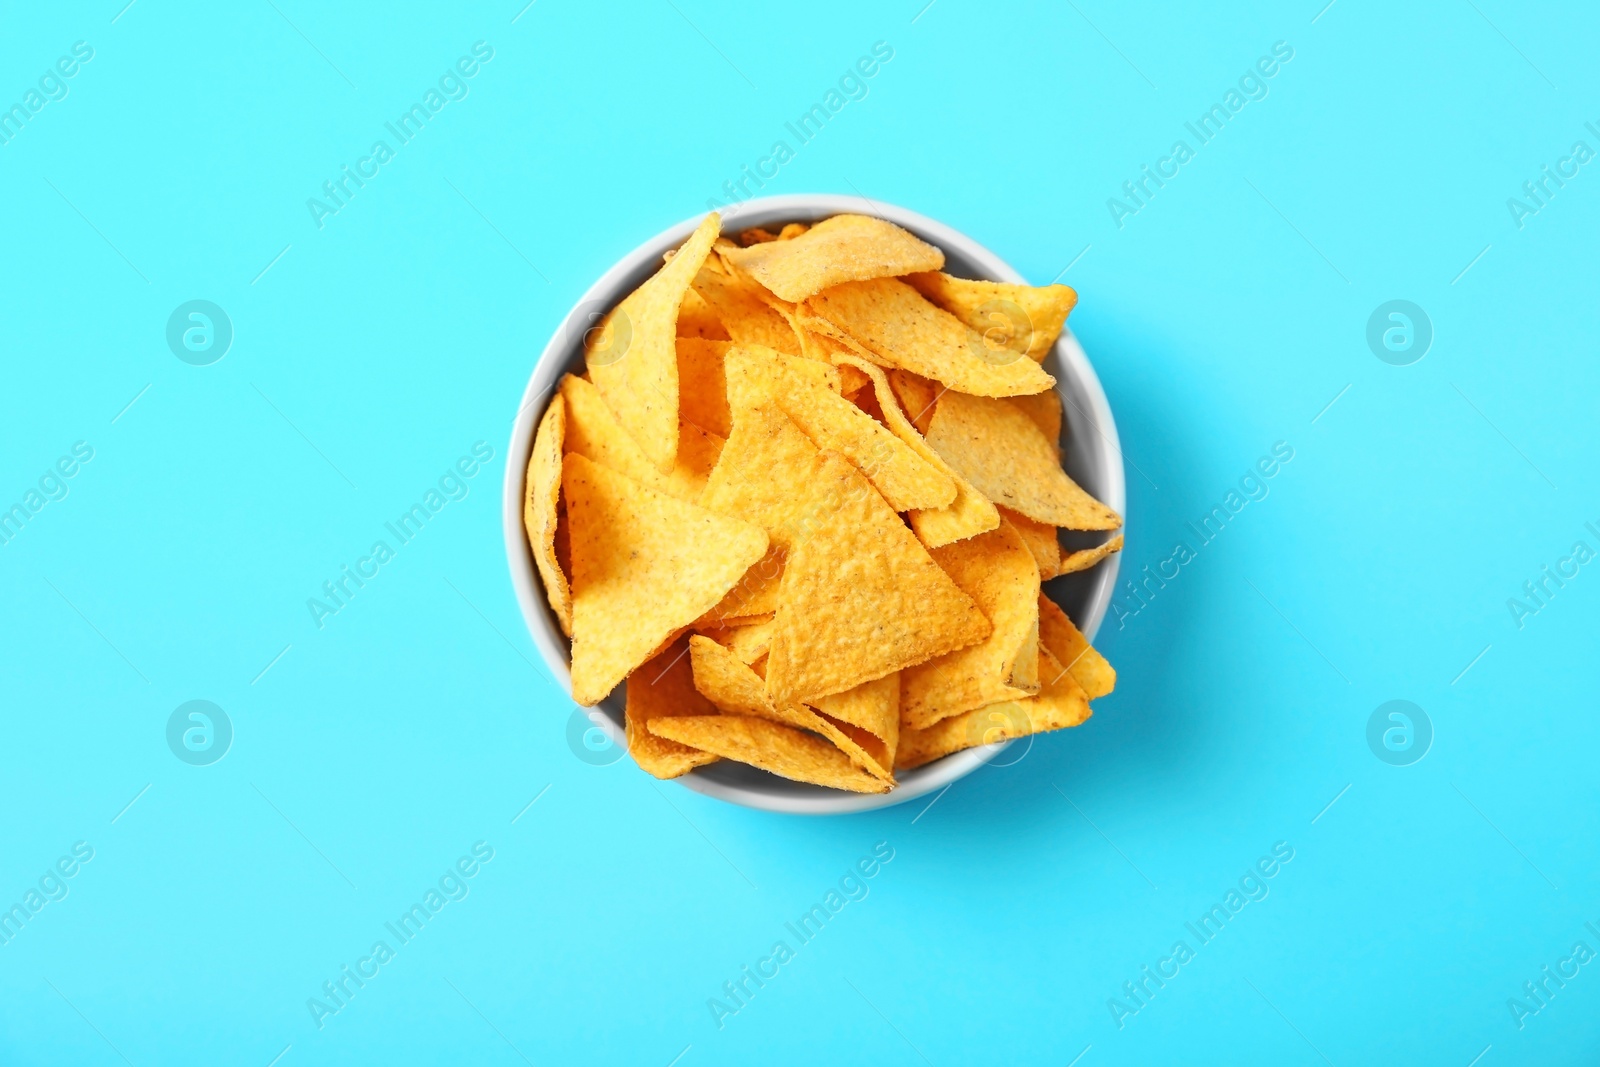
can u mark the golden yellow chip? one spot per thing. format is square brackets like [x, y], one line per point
[696, 319]
[998, 449]
[702, 386]
[1019, 317]
[1085, 558]
[873, 707]
[841, 249]
[783, 750]
[997, 571]
[758, 475]
[1041, 540]
[737, 689]
[900, 329]
[861, 597]
[1045, 411]
[917, 396]
[970, 513]
[1068, 645]
[593, 433]
[791, 230]
[541, 515]
[748, 319]
[752, 641]
[643, 565]
[905, 479]
[633, 356]
[1060, 703]
[755, 236]
[755, 593]
[664, 686]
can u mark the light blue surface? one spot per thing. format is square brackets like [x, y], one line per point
[1228, 313]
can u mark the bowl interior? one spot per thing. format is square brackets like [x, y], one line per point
[1091, 456]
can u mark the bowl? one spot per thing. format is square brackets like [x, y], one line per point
[1092, 456]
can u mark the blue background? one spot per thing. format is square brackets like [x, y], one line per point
[369, 354]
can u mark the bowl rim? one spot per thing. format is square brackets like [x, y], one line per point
[606, 292]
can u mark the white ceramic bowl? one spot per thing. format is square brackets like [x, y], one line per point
[1092, 457]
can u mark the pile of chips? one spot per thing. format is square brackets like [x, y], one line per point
[802, 501]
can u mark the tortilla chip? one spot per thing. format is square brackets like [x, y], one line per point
[633, 356]
[748, 319]
[696, 319]
[970, 513]
[1045, 411]
[1000, 451]
[917, 396]
[752, 641]
[541, 515]
[1041, 540]
[1068, 645]
[792, 229]
[643, 565]
[702, 386]
[901, 329]
[1019, 317]
[872, 707]
[1085, 558]
[755, 593]
[737, 689]
[758, 476]
[664, 686]
[861, 597]
[594, 434]
[905, 479]
[755, 236]
[997, 571]
[1059, 704]
[783, 750]
[843, 248]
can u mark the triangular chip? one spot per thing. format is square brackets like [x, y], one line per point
[840, 249]
[872, 707]
[748, 319]
[1045, 411]
[861, 597]
[999, 449]
[1019, 317]
[771, 746]
[1060, 703]
[593, 433]
[696, 319]
[541, 512]
[970, 513]
[905, 479]
[1067, 644]
[899, 328]
[1041, 540]
[643, 565]
[997, 571]
[737, 689]
[755, 593]
[759, 477]
[917, 396]
[633, 356]
[1085, 558]
[702, 386]
[664, 686]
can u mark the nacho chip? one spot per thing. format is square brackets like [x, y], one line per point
[752, 641]
[998, 449]
[997, 571]
[1041, 540]
[1019, 317]
[643, 565]
[861, 597]
[841, 249]
[737, 689]
[755, 236]
[872, 707]
[702, 386]
[1068, 645]
[1085, 558]
[664, 686]
[783, 750]
[917, 396]
[1045, 411]
[758, 476]
[540, 509]
[755, 593]
[892, 321]
[1059, 704]
[633, 357]
[748, 319]
[696, 319]
[905, 479]
[593, 433]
